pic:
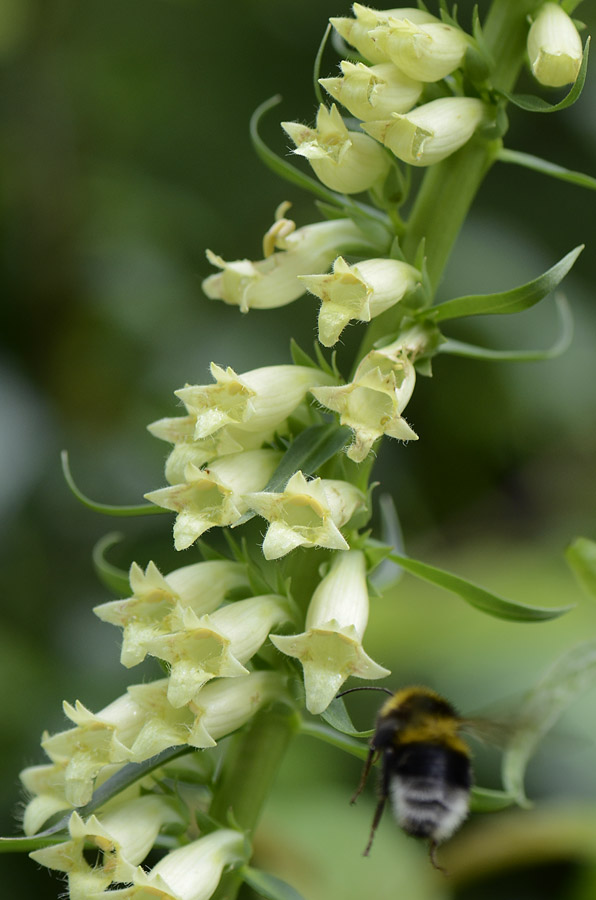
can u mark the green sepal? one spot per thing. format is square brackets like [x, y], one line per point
[571, 675]
[476, 596]
[300, 357]
[532, 103]
[338, 717]
[267, 885]
[115, 579]
[528, 161]
[581, 557]
[562, 343]
[513, 301]
[143, 509]
[487, 800]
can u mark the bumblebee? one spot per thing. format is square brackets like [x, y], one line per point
[426, 771]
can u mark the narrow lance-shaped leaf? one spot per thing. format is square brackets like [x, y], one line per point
[114, 578]
[478, 597]
[317, 65]
[513, 301]
[107, 509]
[267, 885]
[528, 161]
[488, 800]
[459, 348]
[581, 556]
[531, 103]
[572, 674]
[338, 717]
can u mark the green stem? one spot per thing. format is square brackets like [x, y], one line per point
[250, 766]
[449, 187]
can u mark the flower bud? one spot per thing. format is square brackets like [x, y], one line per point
[358, 292]
[306, 514]
[357, 31]
[330, 649]
[271, 282]
[374, 92]
[425, 52]
[554, 47]
[257, 401]
[345, 161]
[430, 132]
[215, 496]
[218, 645]
[371, 404]
[158, 603]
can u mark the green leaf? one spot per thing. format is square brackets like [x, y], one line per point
[313, 447]
[459, 348]
[338, 717]
[268, 885]
[516, 157]
[478, 597]
[143, 509]
[571, 675]
[581, 557]
[512, 301]
[336, 739]
[531, 103]
[487, 800]
[317, 65]
[115, 579]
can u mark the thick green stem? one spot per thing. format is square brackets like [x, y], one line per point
[250, 766]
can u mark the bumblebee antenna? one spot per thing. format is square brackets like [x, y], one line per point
[369, 687]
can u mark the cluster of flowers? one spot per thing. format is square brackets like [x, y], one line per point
[224, 456]
[184, 620]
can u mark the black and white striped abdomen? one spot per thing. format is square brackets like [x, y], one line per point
[429, 788]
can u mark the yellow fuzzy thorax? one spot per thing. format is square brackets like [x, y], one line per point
[421, 725]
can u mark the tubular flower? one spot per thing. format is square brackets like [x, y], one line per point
[425, 51]
[430, 132]
[217, 645]
[159, 603]
[46, 788]
[345, 161]
[223, 706]
[330, 649]
[191, 872]
[271, 282]
[372, 404]
[306, 514]
[554, 47]
[124, 836]
[373, 92]
[256, 401]
[215, 496]
[357, 31]
[96, 741]
[358, 292]
[225, 442]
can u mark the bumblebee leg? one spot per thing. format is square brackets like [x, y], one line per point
[375, 822]
[372, 757]
[432, 855]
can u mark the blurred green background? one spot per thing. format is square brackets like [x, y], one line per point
[125, 153]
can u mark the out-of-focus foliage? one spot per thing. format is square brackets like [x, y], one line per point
[125, 153]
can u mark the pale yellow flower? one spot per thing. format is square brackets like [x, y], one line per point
[554, 47]
[330, 649]
[373, 92]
